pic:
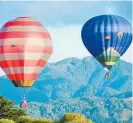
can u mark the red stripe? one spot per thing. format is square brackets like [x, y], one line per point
[21, 63]
[22, 76]
[22, 23]
[4, 35]
[28, 48]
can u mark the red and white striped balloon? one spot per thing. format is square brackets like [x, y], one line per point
[25, 47]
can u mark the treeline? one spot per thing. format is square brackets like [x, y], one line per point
[10, 114]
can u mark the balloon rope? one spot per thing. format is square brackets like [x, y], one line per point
[21, 90]
[26, 91]
[23, 93]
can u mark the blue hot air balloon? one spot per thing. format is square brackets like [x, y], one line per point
[107, 37]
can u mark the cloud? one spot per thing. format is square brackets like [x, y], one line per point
[128, 54]
[54, 12]
[67, 42]
[110, 8]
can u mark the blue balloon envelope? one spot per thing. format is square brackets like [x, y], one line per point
[107, 37]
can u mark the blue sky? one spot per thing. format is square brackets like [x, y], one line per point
[64, 21]
[54, 13]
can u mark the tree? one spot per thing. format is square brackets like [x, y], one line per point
[8, 110]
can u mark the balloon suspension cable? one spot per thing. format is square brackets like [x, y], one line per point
[25, 93]
[107, 73]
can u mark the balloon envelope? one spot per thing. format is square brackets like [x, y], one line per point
[107, 37]
[25, 47]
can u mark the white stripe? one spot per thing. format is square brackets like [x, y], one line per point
[25, 41]
[17, 70]
[110, 52]
[24, 56]
[23, 19]
[23, 29]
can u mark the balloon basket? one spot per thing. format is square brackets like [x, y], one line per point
[107, 75]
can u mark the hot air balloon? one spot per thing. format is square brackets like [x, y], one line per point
[107, 37]
[25, 47]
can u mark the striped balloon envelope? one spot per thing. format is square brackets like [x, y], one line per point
[25, 47]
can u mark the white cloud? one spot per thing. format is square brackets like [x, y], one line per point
[110, 8]
[128, 54]
[67, 42]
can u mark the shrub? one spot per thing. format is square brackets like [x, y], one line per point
[42, 120]
[6, 121]
[74, 118]
[88, 121]
[27, 119]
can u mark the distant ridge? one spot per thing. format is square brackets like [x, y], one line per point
[73, 77]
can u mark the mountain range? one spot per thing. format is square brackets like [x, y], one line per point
[71, 80]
